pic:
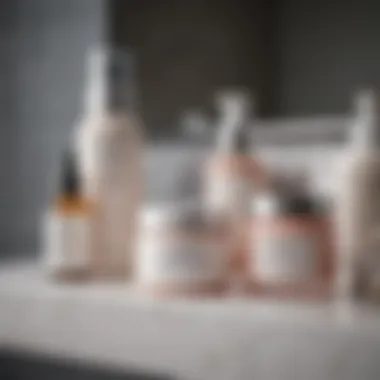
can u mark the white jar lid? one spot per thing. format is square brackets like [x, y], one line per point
[265, 204]
[186, 214]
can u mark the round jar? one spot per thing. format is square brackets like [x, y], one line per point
[290, 248]
[181, 252]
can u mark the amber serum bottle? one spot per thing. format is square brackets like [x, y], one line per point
[66, 230]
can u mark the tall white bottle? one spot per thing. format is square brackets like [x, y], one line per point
[358, 198]
[108, 142]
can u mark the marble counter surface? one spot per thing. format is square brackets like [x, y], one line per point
[115, 325]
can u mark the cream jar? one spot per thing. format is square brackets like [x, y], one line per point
[290, 247]
[180, 251]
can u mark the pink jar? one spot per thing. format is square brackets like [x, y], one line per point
[290, 248]
[180, 252]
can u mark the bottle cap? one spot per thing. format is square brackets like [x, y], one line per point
[365, 102]
[365, 133]
[186, 214]
[235, 109]
[286, 196]
[111, 79]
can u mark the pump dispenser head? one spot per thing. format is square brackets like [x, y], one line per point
[235, 109]
[365, 134]
[110, 80]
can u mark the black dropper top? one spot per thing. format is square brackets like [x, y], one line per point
[69, 177]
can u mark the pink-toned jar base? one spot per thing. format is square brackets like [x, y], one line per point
[206, 289]
[320, 286]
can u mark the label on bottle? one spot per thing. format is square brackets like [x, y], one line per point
[180, 261]
[109, 153]
[67, 241]
[286, 257]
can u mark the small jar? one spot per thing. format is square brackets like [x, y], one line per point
[290, 247]
[181, 252]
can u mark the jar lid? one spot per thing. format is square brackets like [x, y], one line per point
[271, 204]
[286, 196]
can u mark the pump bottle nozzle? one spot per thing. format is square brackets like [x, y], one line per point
[235, 109]
[364, 133]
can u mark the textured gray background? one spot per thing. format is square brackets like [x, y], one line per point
[323, 52]
[189, 49]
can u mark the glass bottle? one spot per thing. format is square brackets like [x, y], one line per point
[67, 228]
[109, 143]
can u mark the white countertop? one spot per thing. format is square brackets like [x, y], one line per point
[114, 325]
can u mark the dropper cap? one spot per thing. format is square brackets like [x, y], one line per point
[236, 109]
[365, 134]
[110, 80]
[70, 182]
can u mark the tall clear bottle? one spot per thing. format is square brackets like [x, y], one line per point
[108, 142]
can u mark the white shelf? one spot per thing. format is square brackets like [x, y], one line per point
[114, 325]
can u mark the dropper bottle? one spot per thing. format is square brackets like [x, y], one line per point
[358, 198]
[66, 235]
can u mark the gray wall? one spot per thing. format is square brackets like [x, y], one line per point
[323, 52]
[302, 57]
[45, 42]
[187, 50]
[6, 140]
